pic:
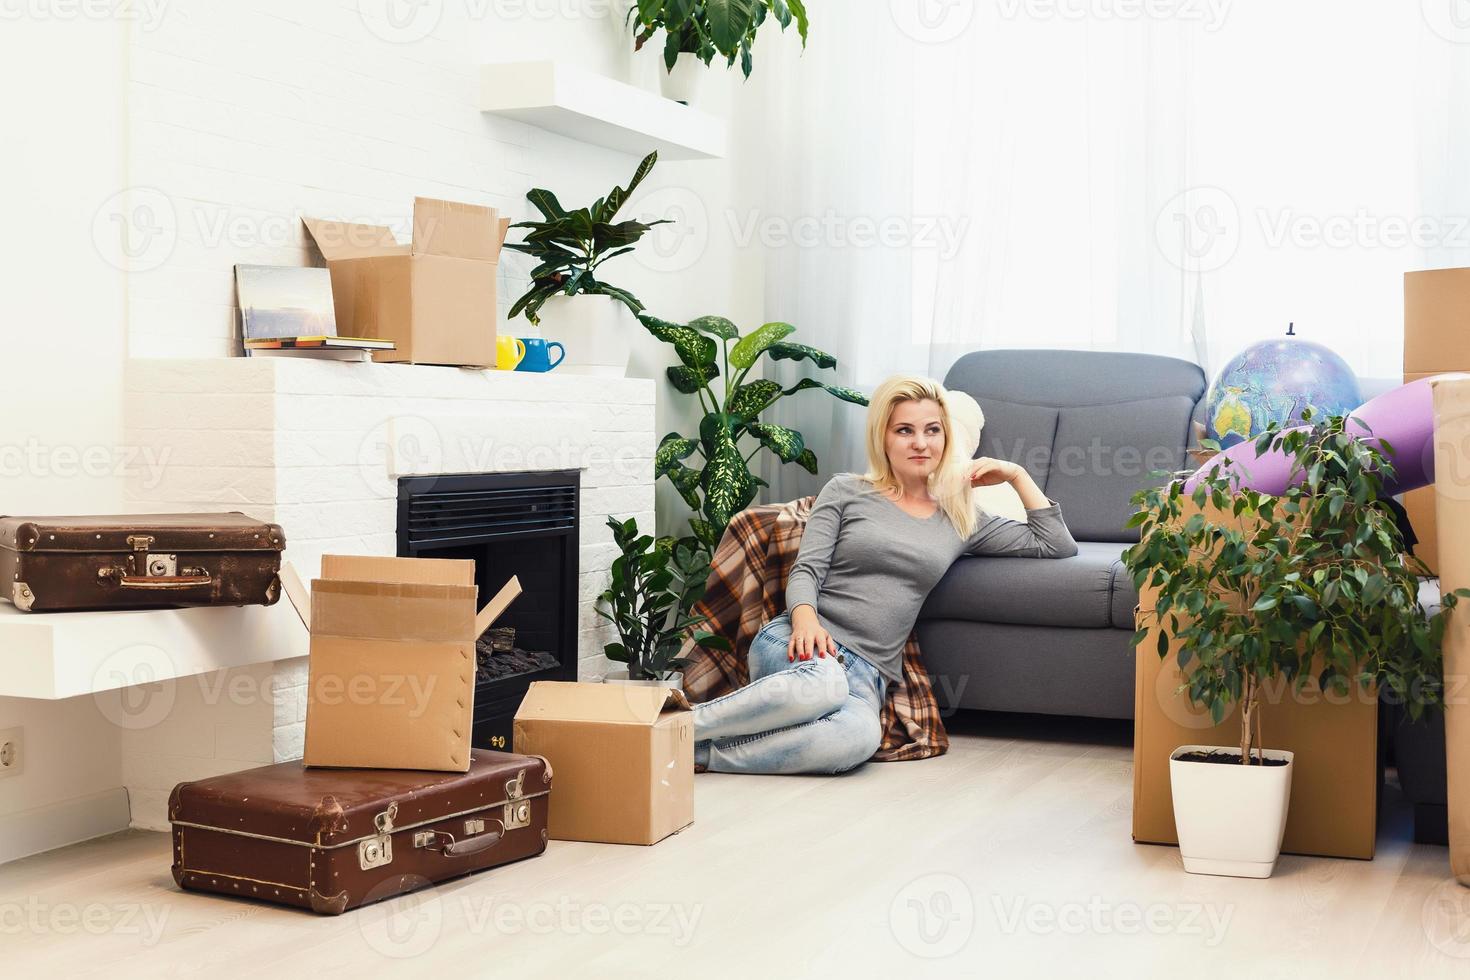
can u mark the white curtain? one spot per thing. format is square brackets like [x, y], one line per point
[1178, 178]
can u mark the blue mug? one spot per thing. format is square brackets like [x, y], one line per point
[538, 354]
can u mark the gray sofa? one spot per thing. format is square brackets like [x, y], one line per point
[1051, 636]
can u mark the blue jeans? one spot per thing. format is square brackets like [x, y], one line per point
[803, 716]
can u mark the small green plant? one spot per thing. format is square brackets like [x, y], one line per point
[654, 583]
[723, 485]
[706, 28]
[571, 246]
[1254, 590]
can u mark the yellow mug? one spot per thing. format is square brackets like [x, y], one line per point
[509, 353]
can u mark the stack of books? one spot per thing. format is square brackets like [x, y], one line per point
[328, 348]
[286, 311]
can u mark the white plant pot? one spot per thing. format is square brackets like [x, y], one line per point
[675, 682]
[682, 84]
[595, 330]
[1230, 817]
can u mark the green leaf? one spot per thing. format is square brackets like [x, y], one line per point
[545, 202]
[784, 351]
[751, 346]
[717, 326]
[803, 23]
[690, 380]
[672, 448]
[693, 348]
[785, 443]
[754, 397]
[808, 461]
[726, 481]
[620, 195]
[730, 21]
[686, 481]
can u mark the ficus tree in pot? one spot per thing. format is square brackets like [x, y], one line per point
[731, 433]
[1313, 584]
[655, 581]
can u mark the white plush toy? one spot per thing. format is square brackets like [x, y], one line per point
[966, 422]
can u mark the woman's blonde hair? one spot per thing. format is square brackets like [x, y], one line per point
[949, 483]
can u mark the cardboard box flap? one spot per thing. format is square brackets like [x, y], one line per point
[465, 231]
[497, 605]
[349, 240]
[393, 611]
[618, 704]
[406, 571]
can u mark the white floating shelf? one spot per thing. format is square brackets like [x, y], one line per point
[595, 109]
[66, 654]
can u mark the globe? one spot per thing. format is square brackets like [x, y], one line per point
[1274, 381]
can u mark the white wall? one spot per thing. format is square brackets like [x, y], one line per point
[163, 148]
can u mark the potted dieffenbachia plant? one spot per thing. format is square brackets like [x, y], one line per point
[731, 431]
[569, 298]
[1253, 592]
[655, 581]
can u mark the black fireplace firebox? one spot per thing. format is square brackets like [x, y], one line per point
[522, 524]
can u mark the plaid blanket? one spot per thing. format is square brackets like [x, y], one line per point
[747, 588]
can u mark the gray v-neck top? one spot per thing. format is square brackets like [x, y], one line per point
[866, 566]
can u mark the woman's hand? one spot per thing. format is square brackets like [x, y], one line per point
[808, 637]
[987, 472]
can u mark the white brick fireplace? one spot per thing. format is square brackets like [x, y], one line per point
[318, 447]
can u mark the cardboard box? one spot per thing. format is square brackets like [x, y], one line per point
[391, 680]
[1452, 492]
[623, 757]
[1421, 508]
[1436, 321]
[434, 298]
[1335, 773]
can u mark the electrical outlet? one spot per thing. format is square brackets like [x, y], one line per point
[11, 755]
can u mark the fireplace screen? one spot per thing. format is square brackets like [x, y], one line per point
[521, 524]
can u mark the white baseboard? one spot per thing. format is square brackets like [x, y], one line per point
[59, 824]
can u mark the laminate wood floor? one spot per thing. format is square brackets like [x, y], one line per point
[1009, 857]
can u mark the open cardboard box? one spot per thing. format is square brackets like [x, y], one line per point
[1436, 341]
[623, 755]
[434, 298]
[392, 660]
[1452, 495]
[1335, 774]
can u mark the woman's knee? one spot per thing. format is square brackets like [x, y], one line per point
[855, 735]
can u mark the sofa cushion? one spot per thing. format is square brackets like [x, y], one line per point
[1104, 453]
[1125, 596]
[1020, 433]
[1076, 591]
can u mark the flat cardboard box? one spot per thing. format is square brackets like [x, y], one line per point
[1452, 492]
[623, 756]
[434, 298]
[1436, 321]
[392, 661]
[1335, 772]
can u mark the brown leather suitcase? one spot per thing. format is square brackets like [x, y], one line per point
[334, 839]
[147, 561]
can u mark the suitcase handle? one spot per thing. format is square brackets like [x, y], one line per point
[444, 843]
[165, 582]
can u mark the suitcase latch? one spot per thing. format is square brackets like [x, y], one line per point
[374, 852]
[517, 809]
